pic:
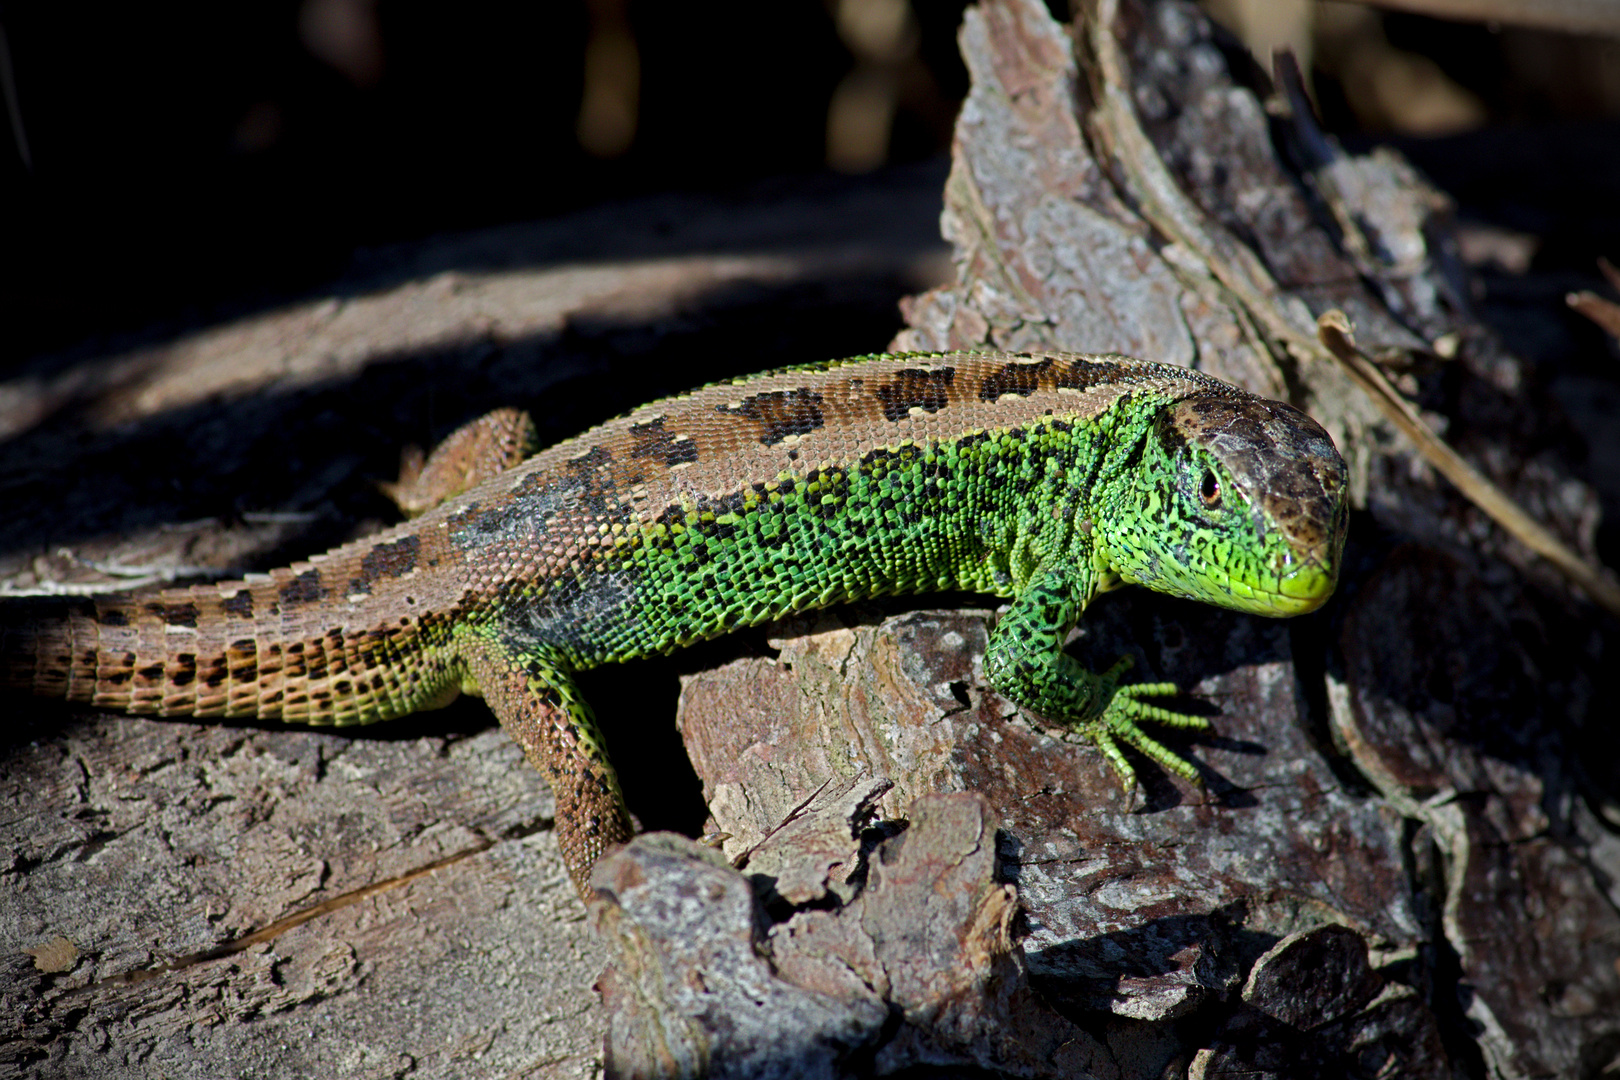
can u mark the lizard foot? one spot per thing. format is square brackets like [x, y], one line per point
[1119, 723]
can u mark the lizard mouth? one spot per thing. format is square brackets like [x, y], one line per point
[1304, 585]
[1305, 590]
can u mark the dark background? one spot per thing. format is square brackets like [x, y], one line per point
[191, 157]
[168, 166]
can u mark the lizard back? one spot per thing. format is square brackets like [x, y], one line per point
[743, 501]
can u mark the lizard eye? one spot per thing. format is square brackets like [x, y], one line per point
[1210, 490]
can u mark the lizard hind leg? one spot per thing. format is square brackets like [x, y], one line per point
[536, 701]
[468, 456]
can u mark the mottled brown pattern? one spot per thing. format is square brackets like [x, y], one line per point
[184, 614]
[652, 441]
[306, 588]
[1084, 372]
[921, 389]
[386, 561]
[867, 404]
[204, 651]
[1297, 480]
[1021, 377]
[781, 414]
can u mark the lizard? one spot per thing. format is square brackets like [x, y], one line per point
[1044, 478]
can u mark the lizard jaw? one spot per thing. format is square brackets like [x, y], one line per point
[1304, 590]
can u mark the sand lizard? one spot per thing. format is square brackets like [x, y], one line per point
[1042, 477]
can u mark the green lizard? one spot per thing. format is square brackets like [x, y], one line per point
[1046, 478]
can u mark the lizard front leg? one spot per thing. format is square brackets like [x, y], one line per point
[1025, 662]
[538, 704]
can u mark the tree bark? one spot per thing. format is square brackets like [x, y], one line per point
[191, 899]
[1393, 866]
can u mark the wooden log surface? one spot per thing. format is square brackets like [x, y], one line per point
[199, 900]
[196, 899]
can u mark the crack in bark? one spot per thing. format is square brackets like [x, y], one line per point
[275, 929]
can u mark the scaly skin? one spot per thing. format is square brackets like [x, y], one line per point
[1045, 478]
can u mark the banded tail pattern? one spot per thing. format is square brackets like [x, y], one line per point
[272, 646]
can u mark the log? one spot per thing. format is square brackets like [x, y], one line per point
[1395, 864]
[1401, 860]
[190, 899]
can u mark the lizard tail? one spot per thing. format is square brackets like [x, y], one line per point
[231, 649]
[36, 647]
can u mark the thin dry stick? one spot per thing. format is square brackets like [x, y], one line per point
[1606, 313]
[1568, 16]
[1334, 330]
[1160, 199]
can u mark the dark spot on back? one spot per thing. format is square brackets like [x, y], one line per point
[914, 388]
[652, 441]
[185, 669]
[112, 617]
[391, 560]
[592, 471]
[239, 603]
[306, 588]
[1082, 374]
[184, 614]
[780, 413]
[590, 462]
[1020, 379]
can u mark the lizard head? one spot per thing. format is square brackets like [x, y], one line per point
[1238, 501]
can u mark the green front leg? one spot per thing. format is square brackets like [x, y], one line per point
[1025, 662]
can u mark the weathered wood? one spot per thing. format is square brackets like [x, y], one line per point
[919, 968]
[189, 899]
[442, 936]
[1391, 868]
